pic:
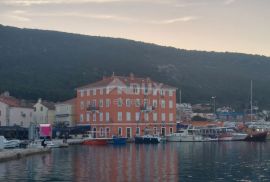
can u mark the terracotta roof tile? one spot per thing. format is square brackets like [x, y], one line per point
[127, 81]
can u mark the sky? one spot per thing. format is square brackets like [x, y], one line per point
[211, 25]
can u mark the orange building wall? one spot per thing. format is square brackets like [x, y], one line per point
[114, 124]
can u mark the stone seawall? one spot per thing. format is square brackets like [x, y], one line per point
[12, 154]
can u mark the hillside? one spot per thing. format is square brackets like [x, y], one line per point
[50, 64]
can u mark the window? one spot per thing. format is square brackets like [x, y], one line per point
[170, 104]
[119, 90]
[128, 116]
[100, 116]
[94, 117]
[137, 103]
[128, 103]
[163, 117]
[41, 108]
[120, 102]
[145, 90]
[136, 89]
[155, 103]
[138, 130]
[88, 103]
[94, 103]
[170, 92]
[145, 103]
[88, 117]
[155, 130]
[101, 132]
[137, 116]
[162, 92]
[94, 92]
[82, 104]
[162, 103]
[128, 132]
[146, 118]
[120, 131]
[154, 116]
[100, 104]
[119, 116]
[81, 118]
[82, 93]
[171, 130]
[107, 116]
[107, 90]
[88, 92]
[107, 132]
[101, 91]
[171, 116]
[107, 102]
[154, 91]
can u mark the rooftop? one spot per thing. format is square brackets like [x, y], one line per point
[127, 80]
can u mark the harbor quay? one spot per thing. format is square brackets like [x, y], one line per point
[12, 154]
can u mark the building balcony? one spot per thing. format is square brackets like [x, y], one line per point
[92, 108]
[147, 108]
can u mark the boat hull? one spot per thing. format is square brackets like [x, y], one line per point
[256, 136]
[95, 142]
[119, 141]
[147, 140]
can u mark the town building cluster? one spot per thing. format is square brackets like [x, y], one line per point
[115, 105]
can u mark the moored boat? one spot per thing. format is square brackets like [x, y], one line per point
[147, 139]
[90, 140]
[256, 136]
[119, 140]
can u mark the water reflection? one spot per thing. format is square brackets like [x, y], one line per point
[227, 161]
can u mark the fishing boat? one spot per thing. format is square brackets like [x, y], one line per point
[116, 140]
[256, 136]
[90, 140]
[188, 134]
[147, 139]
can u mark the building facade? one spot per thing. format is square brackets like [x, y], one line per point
[14, 111]
[127, 106]
[44, 112]
[65, 112]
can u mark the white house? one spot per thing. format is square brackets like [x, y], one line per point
[65, 112]
[14, 111]
[44, 112]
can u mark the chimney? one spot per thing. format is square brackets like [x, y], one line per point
[39, 100]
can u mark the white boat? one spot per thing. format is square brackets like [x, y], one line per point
[49, 144]
[187, 135]
[9, 143]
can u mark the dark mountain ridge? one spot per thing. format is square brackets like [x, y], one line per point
[50, 64]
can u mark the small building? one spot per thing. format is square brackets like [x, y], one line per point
[127, 106]
[65, 112]
[44, 112]
[14, 111]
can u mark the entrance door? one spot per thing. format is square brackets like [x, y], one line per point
[129, 135]
[163, 131]
[94, 132]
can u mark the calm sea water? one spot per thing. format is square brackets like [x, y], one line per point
[227, 161]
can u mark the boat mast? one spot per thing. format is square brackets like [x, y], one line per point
[251, 93]
[180, 99]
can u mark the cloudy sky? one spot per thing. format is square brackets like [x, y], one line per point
[212, 25]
